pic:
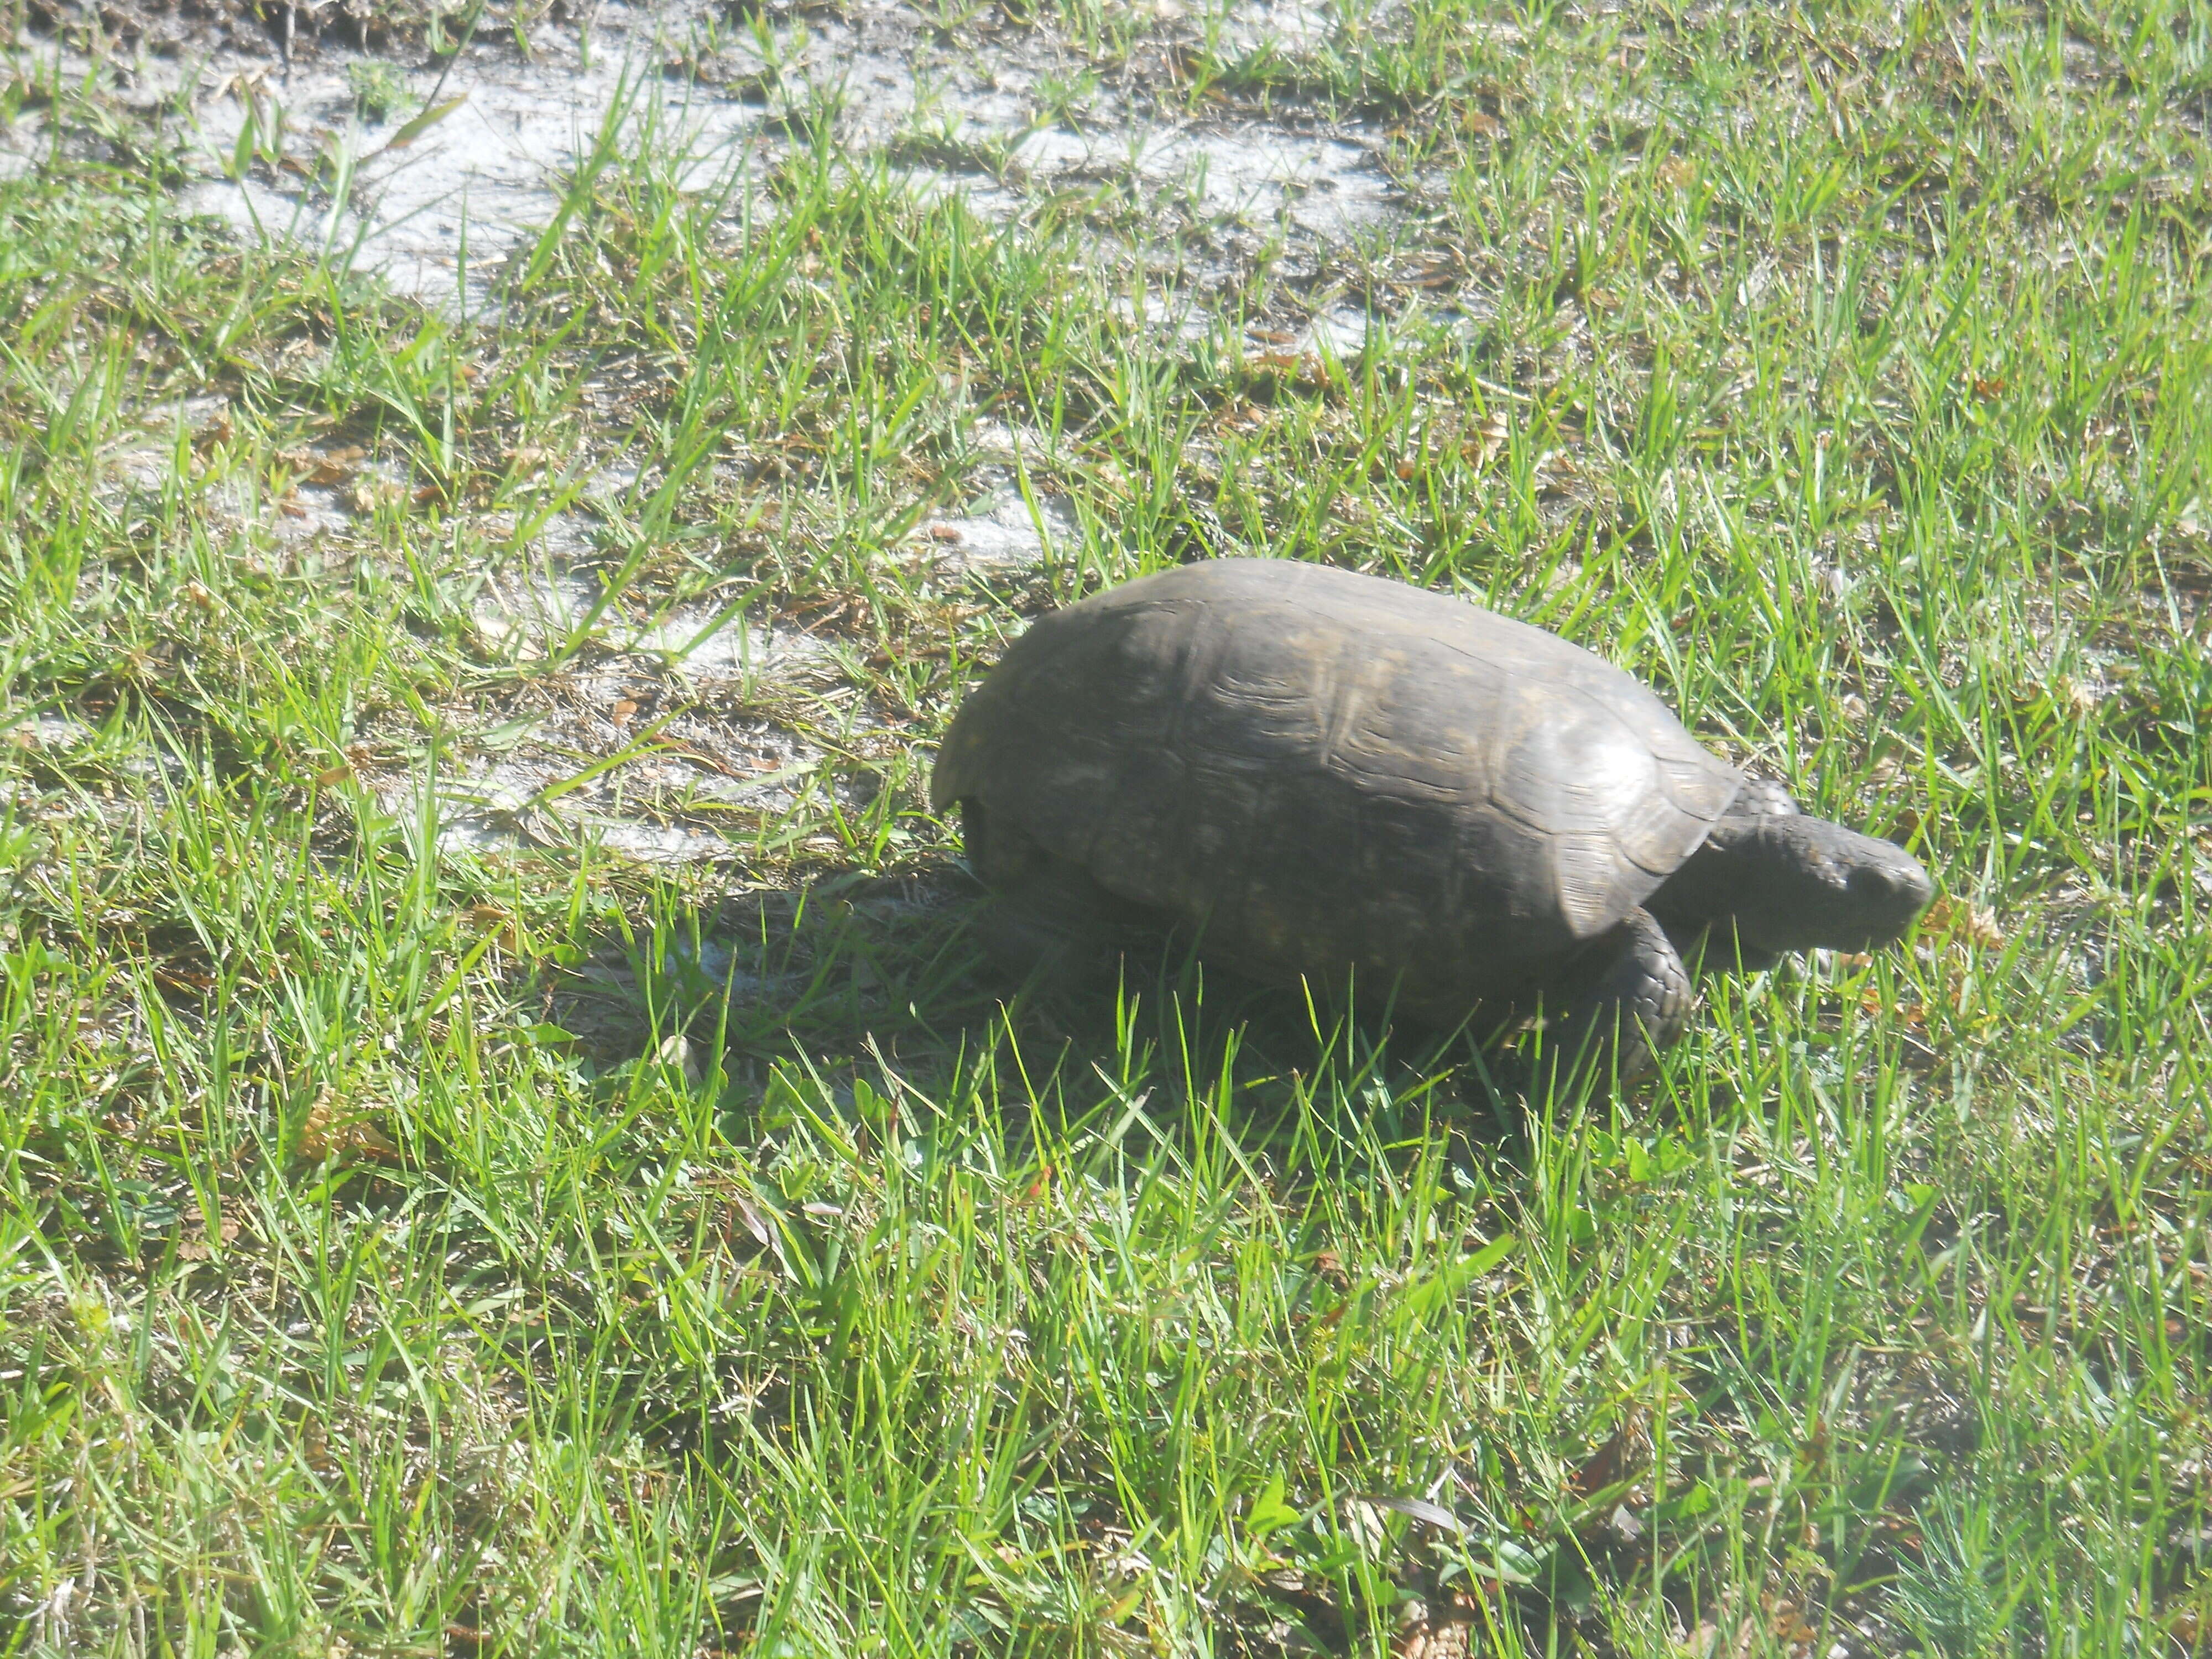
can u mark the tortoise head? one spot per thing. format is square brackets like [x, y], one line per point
[1786, 882]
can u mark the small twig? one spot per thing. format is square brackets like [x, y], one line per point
[1847, 60]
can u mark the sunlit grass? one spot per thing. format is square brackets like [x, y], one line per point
[416, 1242]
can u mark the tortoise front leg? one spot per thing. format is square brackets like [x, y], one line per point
[1628, 1001]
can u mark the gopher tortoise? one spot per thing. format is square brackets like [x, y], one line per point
[1311, 774]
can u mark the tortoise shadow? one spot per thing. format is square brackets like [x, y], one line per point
[882, 977]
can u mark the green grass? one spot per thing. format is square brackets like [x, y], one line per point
[411, 1245]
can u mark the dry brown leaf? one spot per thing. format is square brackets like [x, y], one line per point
[1490, 437]
[1963, 920]
[199, 1247]
[331, 1129]
[1299, 366]
[751, 1216]
[1609, 1464]
[315, 466]
[1787, 1620]
[1436, 1629]
[336, 465]
[1422, 1639]
[490, 919]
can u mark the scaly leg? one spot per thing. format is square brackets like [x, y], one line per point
[1048, 919]
[1633, 1005]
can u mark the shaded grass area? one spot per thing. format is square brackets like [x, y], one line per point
[422, 1244]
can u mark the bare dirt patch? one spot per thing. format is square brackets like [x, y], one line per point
[436, 169]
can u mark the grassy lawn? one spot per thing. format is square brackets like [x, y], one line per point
[430, 1225]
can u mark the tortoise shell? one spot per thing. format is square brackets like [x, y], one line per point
[1319, 771]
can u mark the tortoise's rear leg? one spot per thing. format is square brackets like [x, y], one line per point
[1048, 919]
[1049, 934]
[1627, 1004]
